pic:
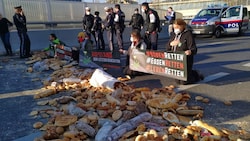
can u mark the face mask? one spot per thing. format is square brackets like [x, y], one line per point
[87, 13]
[142, 10]
[177, 31]
[131, 39]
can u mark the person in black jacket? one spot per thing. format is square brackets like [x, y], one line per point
[152, 25]
[88, 21]
[137, 20]
[20, 22]
[97, 28]
[182, 40]
[109, 26]
[5, 34]
[119, 20]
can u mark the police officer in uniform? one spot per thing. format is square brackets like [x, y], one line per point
[136, 21]
[20, 23]
[152, 24]
[97, 28]
[109, 26]
[88, 21]
[119, 20]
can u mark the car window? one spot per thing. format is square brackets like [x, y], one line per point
[209, 13]
[232, 12]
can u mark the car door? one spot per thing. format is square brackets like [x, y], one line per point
[245, 19]
[231, 19]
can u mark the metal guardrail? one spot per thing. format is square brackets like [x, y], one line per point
[56, 24]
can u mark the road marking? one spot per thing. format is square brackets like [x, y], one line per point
[21, 93]
[247, 65]
[206, 79]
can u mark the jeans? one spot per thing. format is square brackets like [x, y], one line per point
[6, 41]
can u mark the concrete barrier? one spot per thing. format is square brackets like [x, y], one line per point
[40, 38]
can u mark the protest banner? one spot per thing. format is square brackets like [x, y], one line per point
[169, 64]
[99, 59]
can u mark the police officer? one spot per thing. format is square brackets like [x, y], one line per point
[88, 21]
[109, 26]
[20, 23]
[119, 20]
[152, 24]
[136, 21]
[97, 28]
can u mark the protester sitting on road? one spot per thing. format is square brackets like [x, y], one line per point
[5, 34]
[85, 43]
[51, 50]
[136, 43]
[182, 40]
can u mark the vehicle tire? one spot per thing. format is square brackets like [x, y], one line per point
[217, 33]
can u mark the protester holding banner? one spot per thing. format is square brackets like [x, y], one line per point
[136, 43]
[182, 40]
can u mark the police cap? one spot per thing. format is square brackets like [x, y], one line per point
[18, 7]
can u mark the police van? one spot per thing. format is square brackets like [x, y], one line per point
[217, 21]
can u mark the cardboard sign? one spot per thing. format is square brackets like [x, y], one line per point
[64, 52]
[99, 58]
[161, 63]
[106, 59]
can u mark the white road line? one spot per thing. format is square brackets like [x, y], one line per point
[247, 65]
[206, 79]
[21, 93]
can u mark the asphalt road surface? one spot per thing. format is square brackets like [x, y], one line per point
[225, 63]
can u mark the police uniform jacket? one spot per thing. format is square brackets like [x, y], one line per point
[20, 22]
[109, 22]
[119, 20]
[88, 21]
[97, 24]
[152, 20]
[136, 21]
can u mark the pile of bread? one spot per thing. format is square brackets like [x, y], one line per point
[85, 112]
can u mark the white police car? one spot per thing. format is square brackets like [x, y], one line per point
[220, 20]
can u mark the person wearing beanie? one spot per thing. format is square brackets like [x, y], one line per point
[137, 20]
